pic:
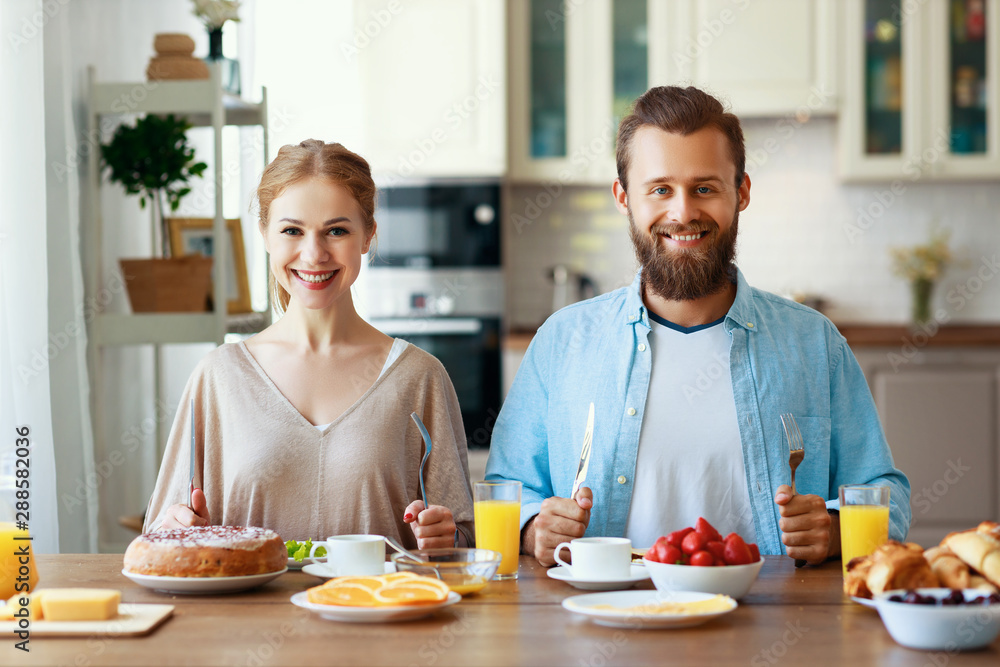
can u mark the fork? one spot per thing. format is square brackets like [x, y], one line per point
[427, 452]
[796, 452]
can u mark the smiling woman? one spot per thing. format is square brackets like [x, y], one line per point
[304, 428]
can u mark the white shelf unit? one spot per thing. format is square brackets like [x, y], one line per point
[204, 104]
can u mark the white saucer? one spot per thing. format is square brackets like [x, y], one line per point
[323, 571]
[372, 614]
[865, 602]
[628, 616]
[202, 585]
[562, 573]
[298, 565]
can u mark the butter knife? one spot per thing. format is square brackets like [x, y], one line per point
[191, 487]
[581, 470]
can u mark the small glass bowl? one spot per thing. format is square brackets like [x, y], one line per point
[466, 571]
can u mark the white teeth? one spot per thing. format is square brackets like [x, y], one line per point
[315, 278]
[688, 237]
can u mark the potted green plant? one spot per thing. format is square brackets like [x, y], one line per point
[153, 159]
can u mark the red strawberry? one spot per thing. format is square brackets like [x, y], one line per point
[677, 537]
[736, 550]
[702, 559]
[754, 552]
[693, 541]
[705, 528]
[718, 551]
[673, 555]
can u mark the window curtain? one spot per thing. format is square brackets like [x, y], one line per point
[24, 320]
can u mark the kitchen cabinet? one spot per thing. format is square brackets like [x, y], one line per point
[575, 68]
[446, 60]
[204, 104]
[940, 410]
[916, 100]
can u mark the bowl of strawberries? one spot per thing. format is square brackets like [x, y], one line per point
[698, 558]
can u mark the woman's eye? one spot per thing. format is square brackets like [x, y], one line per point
[290, 231]
[338, 231]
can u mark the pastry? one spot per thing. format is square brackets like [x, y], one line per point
[979, 549]
[899, 566]
[951, 571]
[206, 551]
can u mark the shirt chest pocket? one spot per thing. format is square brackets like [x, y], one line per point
[813, 474]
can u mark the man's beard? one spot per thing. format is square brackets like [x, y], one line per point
[683, 274]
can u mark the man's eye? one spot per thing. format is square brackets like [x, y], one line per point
[660, 191]
[704, 190]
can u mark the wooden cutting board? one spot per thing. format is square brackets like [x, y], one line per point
[134, 620]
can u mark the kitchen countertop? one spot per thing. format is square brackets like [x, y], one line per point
[868, 335]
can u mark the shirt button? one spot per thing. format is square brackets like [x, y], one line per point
[750, 324]
[621, 479]
[642, 347]
[631, 412]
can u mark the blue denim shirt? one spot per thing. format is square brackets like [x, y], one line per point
[784, 357]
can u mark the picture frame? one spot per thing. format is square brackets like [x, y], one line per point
[193, 236]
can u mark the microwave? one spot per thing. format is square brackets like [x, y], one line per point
[438, 224]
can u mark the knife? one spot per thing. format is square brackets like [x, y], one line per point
[191, 487]
[588, 438]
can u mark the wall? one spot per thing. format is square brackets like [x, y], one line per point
[804, 231]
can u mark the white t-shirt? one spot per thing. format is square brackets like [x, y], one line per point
[690, 460]
[398, 345]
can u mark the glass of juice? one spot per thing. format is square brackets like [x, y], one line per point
[17, 568]
[864, 520]
[498, 522]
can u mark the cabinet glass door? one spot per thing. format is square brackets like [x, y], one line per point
[548, 79]
[631, 60]
[967, 76]
[883, 78]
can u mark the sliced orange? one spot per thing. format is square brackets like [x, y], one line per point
[413, 592]
[393, 577]
[371, 583]
[344, 594]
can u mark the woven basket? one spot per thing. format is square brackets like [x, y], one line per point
[165, 68]
[180, 284]
[173, 43]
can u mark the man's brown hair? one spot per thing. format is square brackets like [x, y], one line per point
[681, 111]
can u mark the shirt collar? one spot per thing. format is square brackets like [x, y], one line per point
[741, 314]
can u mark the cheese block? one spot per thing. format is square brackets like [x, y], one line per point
[14, 606]
[80, 604]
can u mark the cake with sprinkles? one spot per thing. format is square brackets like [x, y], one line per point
[206, 551]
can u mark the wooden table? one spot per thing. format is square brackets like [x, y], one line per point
[790, 617]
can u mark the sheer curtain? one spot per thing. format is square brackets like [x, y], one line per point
[24, 334]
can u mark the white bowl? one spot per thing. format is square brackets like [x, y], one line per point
[731, 580]
[939, 628]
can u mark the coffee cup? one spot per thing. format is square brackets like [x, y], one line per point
[353, 555]
[598, 558]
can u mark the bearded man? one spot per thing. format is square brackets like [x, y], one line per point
[689, 369]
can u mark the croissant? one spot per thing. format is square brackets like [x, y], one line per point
[951, 571]
[855, 581]
[979, 548]
[896, 565]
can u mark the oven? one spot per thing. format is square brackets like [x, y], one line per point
[435, 280]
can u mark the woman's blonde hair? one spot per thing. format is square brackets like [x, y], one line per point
[309, 159]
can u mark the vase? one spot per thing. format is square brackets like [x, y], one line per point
[229, 67]
[921, 306]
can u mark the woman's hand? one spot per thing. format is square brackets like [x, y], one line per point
[182, 516]
[433, 527]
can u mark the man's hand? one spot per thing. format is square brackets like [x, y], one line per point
[807, 530]
[560, 520]
[182, 516]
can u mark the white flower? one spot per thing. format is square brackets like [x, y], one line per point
[213, 13]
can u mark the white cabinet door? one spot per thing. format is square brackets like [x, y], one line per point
[940, 421]
[766, 57]
[433, 81]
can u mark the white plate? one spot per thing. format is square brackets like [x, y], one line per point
[865, 602]
[626, 617]
[202, 585]
[323, 571]
[372, 614]
[296, 565]
[562, 573]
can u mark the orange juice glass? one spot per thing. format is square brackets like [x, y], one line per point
[864, 520]
[12, 570]
[498, 522]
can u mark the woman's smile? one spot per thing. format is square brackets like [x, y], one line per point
[314, 279]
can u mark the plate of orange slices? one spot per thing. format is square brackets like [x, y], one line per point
[397, 596]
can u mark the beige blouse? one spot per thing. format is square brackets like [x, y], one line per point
[261, 463]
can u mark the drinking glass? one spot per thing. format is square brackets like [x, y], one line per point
[864, 520]
[498, 522]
